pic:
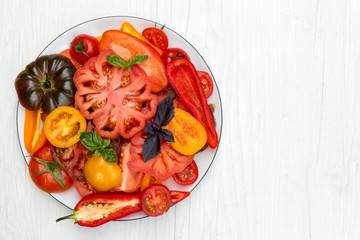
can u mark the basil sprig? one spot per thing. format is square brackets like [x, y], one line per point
[94, 142]
[119, 62]
[164, 114]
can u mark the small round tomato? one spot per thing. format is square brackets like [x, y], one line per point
[156, 37]
[189, 135]
[84, 47]
[45, 181]
[155, 200]
[188, 176]
[101, 174]
[206, 83]
[172, 53]
[62, 126]
[84, 188]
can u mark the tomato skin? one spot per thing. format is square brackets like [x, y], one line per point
[91, 48]
[188, 176]
[101, 174]
[62, 126]
[45, 181]
[155, 200]
[173, 52]
[177, 196]
[127, 46]
[206, 83]
[156, 37]
[99, 208]
[189, 135]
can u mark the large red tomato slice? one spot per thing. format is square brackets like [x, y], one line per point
[127, 46]
[130, 180]
[118, 101]
[163, 166]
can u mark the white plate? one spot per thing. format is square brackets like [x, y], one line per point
[96, 27]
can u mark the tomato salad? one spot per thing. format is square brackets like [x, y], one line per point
[121, 113]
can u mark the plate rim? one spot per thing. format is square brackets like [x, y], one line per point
[131, 17]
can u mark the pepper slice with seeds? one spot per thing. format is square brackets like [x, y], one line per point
[99, 208]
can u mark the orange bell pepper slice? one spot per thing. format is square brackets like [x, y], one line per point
[128, 28]
[34, 138]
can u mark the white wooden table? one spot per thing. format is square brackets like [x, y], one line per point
[289, 160]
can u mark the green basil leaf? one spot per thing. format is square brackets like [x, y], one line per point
[91, 140]
[109, 155]
[106, 143]
[97, 153]
[138, 59]
[116, 61]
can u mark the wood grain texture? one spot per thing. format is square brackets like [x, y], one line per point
[289, 159]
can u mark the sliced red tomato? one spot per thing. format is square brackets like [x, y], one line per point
[206, 83]
[131, 180]
[188, 176]
[163, 166]
[155, 200]
[177, 196]
[127, 46]
[172, 53]
[118, 101]
[156, 37]
[84, 188]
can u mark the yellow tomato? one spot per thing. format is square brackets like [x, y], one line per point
[189, 135]
[62, 126]
[147, 181]
[101, 174]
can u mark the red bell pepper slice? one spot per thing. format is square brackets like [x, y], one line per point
[184, 79]
[99, 208]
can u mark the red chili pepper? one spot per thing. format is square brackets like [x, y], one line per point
[99, 208]
[184, 79]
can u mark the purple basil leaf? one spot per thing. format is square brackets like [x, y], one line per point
[164, 112]
[151, 128]
[151, 147]
[166, 135]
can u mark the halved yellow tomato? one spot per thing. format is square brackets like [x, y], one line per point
[147, 181]
[189, 135]
[101, 174]
[62, 126]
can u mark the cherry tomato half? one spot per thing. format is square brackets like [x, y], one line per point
[156, 37]
[84, 47]
[62, 126]
[45, 181]
[155, 200]
[188, 176]
[172, 53]
[206, 83]
[101, 174]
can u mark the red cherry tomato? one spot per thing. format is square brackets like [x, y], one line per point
[172, 53]
[155, 200]
[84, 47]
[156, 37]
[188, 176]
[206, 83]
[45, 181]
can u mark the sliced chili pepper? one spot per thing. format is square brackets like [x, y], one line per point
[177, 196]
[34, 138]
[99, 208]
[184, 79]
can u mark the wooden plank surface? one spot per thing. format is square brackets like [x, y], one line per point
[288, 163]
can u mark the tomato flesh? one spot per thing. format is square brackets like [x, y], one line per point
[155, 200]
[84, 188]
[156, 37]
[62, 126]
[206, 83]
[45, 181]
[188, 176]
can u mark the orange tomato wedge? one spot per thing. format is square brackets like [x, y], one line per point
[34, 138]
